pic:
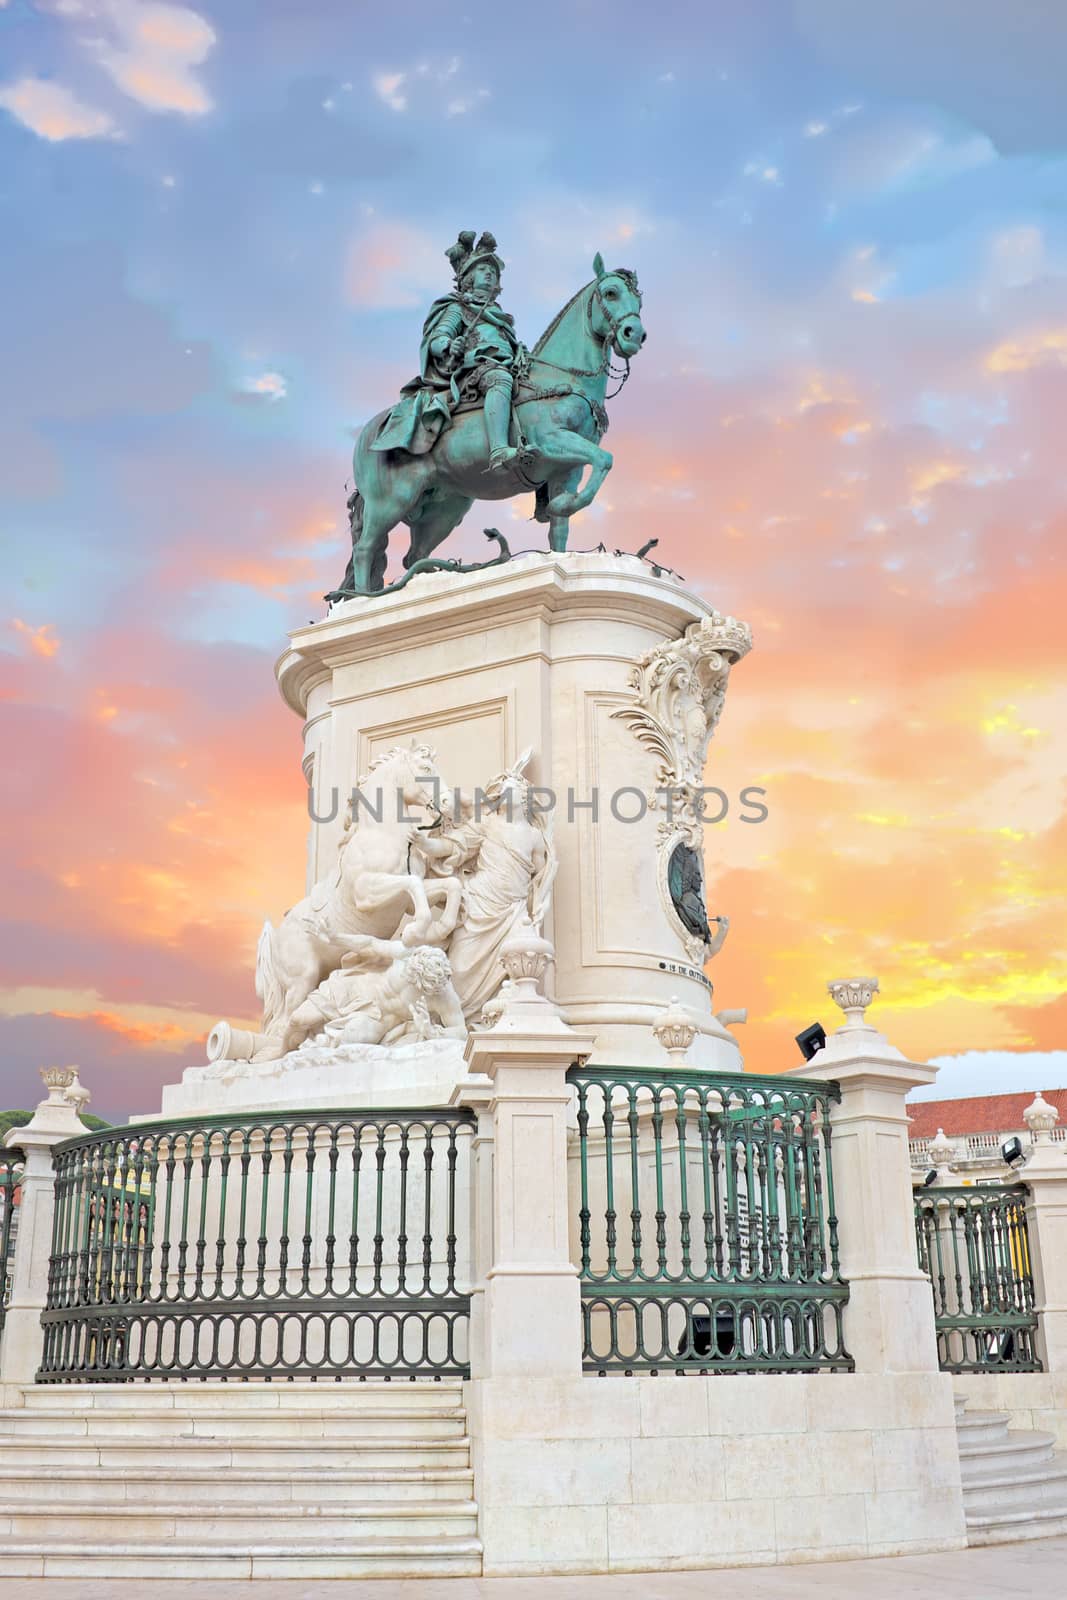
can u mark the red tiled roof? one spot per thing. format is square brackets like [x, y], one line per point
[982, 1113]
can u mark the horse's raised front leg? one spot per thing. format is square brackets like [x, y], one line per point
[562, 447]
[450, 891]
[371, 890]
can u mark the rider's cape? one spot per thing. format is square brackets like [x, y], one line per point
[425, 406]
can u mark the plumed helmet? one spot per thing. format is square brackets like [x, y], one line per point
[466, 253]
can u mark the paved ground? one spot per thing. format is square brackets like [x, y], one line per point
[1030, 1569]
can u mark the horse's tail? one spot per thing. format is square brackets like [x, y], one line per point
[355, 514]
[268, 988]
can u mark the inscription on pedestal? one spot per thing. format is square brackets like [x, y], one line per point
[681, 971]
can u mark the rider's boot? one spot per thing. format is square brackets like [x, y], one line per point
[498, 419]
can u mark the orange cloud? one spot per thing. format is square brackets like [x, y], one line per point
[1031, 350]
[41, 640]
[162, 1034]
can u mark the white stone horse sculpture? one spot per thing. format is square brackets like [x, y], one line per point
[379, 879]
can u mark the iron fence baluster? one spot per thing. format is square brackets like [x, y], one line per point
[310, 1134]
[200, 1255]
[818, 1219]
[183, 1240]
[716, 1185]
[164, 1253]
[609, 1168]
[427, 1221]
[353, 1236]
[261, 1244]
[683, 1191]
[584, 1214]
[661, 1214]
[832, 1224]
[242, 1214]
[287, 1183]
[331, 1214]
[792, 1198]
[379, 1237]
[708, 1214]
[402, 1230]
[733, 1211]
[451, 1238]
[633, 1124]
[772, 1261]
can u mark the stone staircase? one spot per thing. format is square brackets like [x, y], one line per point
[1014, 1481]
[204, 1480]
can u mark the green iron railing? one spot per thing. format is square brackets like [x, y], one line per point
[707, 1233]
[10, 1179]
[303, 1244]
[974, 1244]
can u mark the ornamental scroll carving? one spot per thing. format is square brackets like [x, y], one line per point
[678, 692]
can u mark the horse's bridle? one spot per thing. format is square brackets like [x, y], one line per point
[608, 339]
[614, 322]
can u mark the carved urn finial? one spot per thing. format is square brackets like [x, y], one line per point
[525, 955]
[941, 1151]
[57, 1080]
[77, 1095]
[853, 995]
[675, 1030]
[1041, 1117]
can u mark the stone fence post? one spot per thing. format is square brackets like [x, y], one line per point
[55, 1119]
[527, 1307]
[1045, 1174]
[889, 1325]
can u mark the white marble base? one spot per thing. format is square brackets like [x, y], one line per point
[422, 1073]
[594, 1475]
[538, 654]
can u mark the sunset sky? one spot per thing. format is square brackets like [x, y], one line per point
[222, 227]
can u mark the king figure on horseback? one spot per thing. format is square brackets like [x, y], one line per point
[427, 459]
[469, 354]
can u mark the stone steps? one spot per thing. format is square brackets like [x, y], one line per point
[238, 1480]
[979, 1428]
[304, 1424]
[1019, 1451]
[104, 1485]
[189, 1523]
[262, 1454]
[444, 1395]
[1046, 1484]
[352, 1558]
[1014, 1481]
[1041, 1522]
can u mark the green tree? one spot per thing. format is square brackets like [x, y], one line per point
[19, 1119]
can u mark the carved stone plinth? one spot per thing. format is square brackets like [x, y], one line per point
[569, 655]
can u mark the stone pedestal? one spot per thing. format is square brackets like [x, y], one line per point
[529, 1316]
[889, 1325]
[416, 1073]
[54, 1120]
[542, 653]
[1045, 1174]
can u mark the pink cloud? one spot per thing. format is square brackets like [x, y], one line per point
[54, 112]
[159, 48]
[394, 265]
